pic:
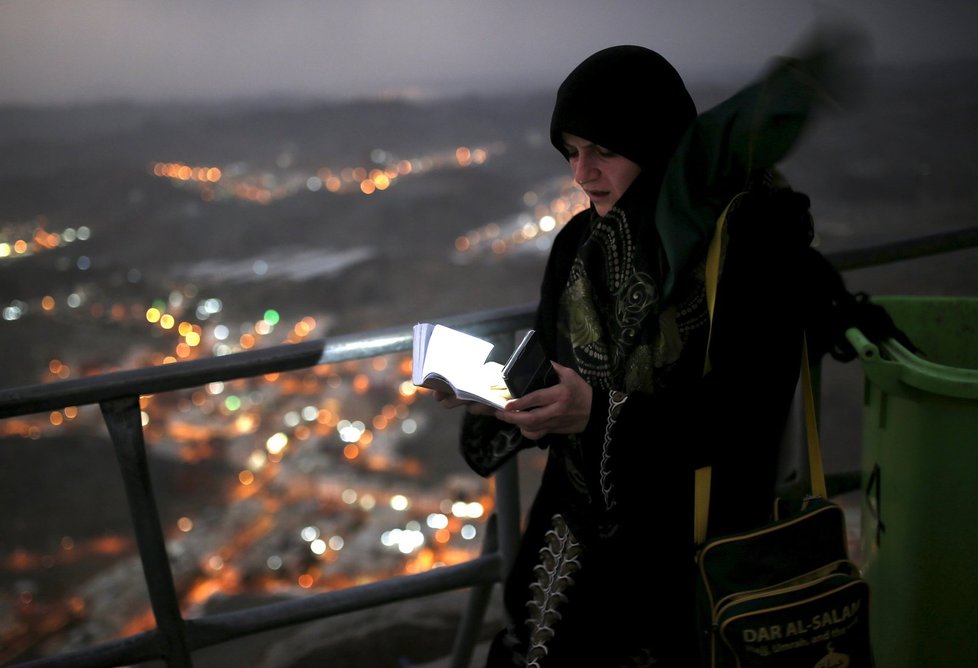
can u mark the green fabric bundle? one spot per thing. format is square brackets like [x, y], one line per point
[752, 130]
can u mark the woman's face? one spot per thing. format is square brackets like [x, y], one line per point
[603, 175]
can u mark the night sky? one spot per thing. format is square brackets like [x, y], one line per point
[53, 51]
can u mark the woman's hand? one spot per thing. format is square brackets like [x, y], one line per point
[563, 408]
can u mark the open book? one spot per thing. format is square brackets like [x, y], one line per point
[454, 362]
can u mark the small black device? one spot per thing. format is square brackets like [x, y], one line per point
[528, 368]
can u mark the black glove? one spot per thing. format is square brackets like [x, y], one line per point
[831, 310]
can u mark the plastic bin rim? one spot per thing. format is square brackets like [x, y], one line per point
[891, 361]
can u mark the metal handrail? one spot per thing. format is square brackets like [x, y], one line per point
[175, 639]
[288, 357]
[90, 390]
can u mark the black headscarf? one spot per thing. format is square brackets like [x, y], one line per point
[627, 99]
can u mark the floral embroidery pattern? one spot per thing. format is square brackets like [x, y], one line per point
[559, 561]
[615, 401]
[605, 286]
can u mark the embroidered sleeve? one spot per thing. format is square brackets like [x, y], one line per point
[488, 443]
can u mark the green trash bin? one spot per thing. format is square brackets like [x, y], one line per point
[919, 518]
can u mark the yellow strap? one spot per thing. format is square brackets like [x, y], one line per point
[701, 497]
[713, 273]
[703, 475]
[815, 470]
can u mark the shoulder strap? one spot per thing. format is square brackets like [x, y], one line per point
[703, 475]
[713, 273]
[816, 471]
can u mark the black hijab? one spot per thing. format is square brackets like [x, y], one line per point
[627, 99]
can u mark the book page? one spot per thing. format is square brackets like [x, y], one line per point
[452, 361]
[486, 383]
[422, 332]
[454, 354]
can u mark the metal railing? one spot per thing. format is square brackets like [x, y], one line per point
[175, 639]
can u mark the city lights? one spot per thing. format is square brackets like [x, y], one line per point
[300, 454]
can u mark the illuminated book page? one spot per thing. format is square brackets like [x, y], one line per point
[451, 361]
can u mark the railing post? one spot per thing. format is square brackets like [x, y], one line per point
[123, 420]
[475, 611]
[509, 513]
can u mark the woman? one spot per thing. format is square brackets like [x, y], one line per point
[604, 575]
